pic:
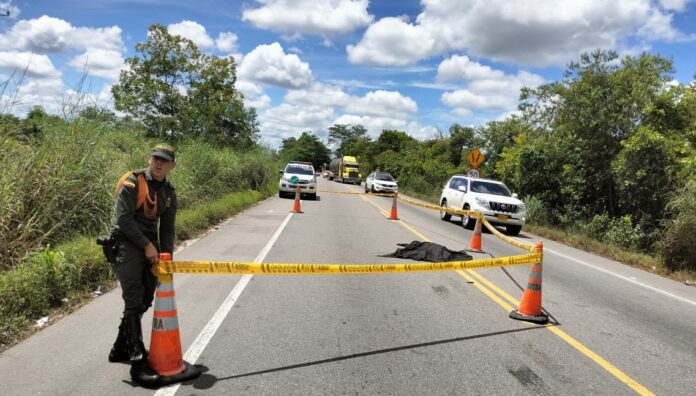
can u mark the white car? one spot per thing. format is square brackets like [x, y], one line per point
[298, 174]
[381, 182]
[490, 197]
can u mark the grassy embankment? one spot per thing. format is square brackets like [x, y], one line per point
[56, 196]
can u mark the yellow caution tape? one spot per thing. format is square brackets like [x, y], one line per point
[341, 192]
[512, 241]
[441, 209]
[220, 267]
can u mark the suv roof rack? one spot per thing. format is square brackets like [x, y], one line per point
[300, 162]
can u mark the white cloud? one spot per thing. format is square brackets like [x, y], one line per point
[311, 17]
[254, 95]
[45, 89]
[100, 63]
[226, 42]
[487, 89]
[269, 64]
[383, 103]
[392, 41]
[674, 5]
[193, 31]
[320, 106]
[286, 121]
[659, 27]
[47, 34]
[41, 87]
[533, 32]
[461, 68]
[39, 66]
[318, 95]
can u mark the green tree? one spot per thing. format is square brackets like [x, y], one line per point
[348, 138]
[598, 104]
[307, 147]
[496, 136]
[177, 91]
[393, 140]
[645, 172]
[460, 138]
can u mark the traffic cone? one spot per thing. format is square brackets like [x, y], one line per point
[296, 206]
[393, 215]
[165, 342]
[475, 243]
[530, 306]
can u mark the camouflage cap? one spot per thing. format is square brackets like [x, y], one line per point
[165, 151]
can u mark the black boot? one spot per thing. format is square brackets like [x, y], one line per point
[141, 372]
[119, 352]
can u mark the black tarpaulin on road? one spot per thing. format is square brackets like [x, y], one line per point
[427, 251]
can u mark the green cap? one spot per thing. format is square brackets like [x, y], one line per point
[165, 151]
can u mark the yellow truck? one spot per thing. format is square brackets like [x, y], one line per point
[345, 169]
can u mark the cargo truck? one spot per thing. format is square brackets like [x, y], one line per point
[345, 170]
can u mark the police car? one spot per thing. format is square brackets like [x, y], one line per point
[300, 174]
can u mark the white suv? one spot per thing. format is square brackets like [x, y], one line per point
[490, 197]
[301, 174]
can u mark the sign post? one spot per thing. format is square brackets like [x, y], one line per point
[475, 158]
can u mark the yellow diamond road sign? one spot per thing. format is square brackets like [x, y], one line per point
[475, 157]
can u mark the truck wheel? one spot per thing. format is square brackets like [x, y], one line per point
[444, 216]
[513, 229]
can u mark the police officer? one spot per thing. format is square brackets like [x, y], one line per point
[144, 198]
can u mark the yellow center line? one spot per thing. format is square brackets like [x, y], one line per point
[472, 276]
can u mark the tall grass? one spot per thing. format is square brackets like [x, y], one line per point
[58, 183]
[57, 178]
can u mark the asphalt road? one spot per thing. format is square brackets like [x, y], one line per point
[615, 329]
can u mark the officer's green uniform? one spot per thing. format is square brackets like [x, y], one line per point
[144, 206]
[136, 227]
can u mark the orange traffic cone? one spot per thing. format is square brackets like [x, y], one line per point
[165, 342]
[475, 243]
[530, 306]
[393, 215]
[296, 206]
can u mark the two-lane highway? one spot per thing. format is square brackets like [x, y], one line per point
[615, 330]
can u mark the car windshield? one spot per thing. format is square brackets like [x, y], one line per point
[480, 186]
[351, 165]
[384, 176]
[299, 169]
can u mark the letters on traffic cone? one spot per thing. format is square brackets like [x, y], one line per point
[530, 305]
[296, 206]
[393, 215]
[475, 243]
[165, 342]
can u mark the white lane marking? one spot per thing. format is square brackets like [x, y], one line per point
[194, 351]
[641, 284]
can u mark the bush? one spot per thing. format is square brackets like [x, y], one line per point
[678, 244]
[597, 227]
[617, 231]
[621, 232]
[537, 212]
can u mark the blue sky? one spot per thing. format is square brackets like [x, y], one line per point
[416, 66]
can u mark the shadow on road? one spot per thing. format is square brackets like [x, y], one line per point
[206, 381]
